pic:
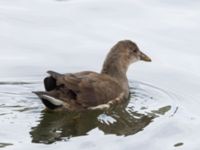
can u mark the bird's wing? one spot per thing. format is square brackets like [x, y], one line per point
[88, 88]
[93, 89]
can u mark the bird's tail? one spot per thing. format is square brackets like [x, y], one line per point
[54, 74]
[50, 82]
[49, 101]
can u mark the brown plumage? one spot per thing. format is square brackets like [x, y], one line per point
[91, 90]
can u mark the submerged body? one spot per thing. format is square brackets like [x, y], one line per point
[91, 90]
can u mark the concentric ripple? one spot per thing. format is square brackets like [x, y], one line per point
[150, 100]
[17, 104]
[146, 103]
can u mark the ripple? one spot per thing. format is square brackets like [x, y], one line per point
[146, 103]
[17, 96]
[16, 83]
[178, 144]
[2, 145]
[149, 99]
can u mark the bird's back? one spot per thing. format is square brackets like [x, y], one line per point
[82, 89]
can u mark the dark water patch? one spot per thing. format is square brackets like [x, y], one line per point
[25, 109]
[11, 106]
[2, 114]
[17, 108]
[178, 144]
[162, 110]
[17, 83]
[2, 145]
[175, 111]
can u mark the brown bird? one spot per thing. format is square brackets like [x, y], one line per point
[90, 90]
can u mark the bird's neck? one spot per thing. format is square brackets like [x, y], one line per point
[118, 72]
[116, 69]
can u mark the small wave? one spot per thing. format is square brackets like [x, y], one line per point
[16, 83]
[149, 99]
[3, 145]
[146, 104]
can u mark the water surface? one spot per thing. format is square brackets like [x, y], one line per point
[75, 35]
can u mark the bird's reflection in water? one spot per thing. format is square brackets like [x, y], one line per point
[121, 121]
[56, 126]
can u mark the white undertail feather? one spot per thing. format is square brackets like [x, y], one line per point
[53, 100]
[58, 102]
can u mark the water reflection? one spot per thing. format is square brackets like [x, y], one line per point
[126, 122]
[58, 126]
[121, 121]
[2, 145]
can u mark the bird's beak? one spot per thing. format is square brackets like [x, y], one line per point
[144, 57]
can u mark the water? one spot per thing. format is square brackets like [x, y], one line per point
[70, 36]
